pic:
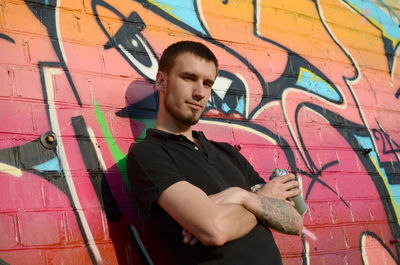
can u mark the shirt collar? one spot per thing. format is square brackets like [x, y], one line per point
[163, 135]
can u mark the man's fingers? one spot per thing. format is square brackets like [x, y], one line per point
[188, 238]
[290, 202]
[193, 241]
[293, 184]
[293, 193]
[286, 178]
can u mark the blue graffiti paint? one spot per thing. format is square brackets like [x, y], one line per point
[393, 190]
[316, 85]
[225, 107]
[389, 10]
[50, 165]
[377, 16]
[240, 106]
[181, 10]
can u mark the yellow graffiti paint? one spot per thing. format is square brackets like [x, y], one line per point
[396, 209]
[313, 77]
[167, 9]
[375, 23]
[16, 172]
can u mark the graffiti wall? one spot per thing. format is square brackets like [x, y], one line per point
[312, 86]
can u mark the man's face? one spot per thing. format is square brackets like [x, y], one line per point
[188, 88]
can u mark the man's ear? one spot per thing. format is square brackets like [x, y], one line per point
[160, 81]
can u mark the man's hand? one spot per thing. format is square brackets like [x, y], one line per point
[188, 238]
[281, 188]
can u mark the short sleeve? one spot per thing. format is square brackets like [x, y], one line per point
[253, 178]
[151, 170]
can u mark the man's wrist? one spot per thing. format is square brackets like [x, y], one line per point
[246, 196]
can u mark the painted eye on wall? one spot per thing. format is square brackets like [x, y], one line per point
[228, 97]
[135, 49]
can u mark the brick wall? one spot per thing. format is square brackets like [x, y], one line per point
[310, 86]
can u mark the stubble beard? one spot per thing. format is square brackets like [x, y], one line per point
[191, 119]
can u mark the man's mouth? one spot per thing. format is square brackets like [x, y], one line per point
[194, 105]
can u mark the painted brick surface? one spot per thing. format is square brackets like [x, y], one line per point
[310, 86]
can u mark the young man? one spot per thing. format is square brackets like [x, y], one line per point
[194, 189]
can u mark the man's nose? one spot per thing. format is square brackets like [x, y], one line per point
[199, 91]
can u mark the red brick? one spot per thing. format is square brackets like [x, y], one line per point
[22, 257]
[13, 53]
[337, 258]
[73, 232]
[40, 118]
[41, 228]
[319, 213]
[340, 213]
[27, 83]
[6, 88]
[68, 255]
[115, 64]
[325, 157]
[17, 16]
[108, 91]
[218, 131]
[288, 245]
[292, 260]
[348, 161]
[361, 210]
[9, 235]
[16, 117]
[328, 239]
[82, 57]
[55, 198]
[21, 192]
[352, 234]
[64, 94]
[365, 187]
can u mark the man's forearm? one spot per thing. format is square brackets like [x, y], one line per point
[235, 221]
[275, 213]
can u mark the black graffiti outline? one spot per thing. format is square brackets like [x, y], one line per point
[390, 51]
[351, 61]
[135, 22]
[207, 37]
[41, 66]
[96, 174]
[383, 192]
[48, 19]
[375, 236]
[7, 38]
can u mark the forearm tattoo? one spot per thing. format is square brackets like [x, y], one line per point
[279, 216]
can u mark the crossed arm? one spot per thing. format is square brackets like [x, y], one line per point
[232, 213]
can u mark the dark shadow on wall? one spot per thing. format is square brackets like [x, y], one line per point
[121, 208]
[125, 213]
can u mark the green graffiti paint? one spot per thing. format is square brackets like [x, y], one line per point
[148, 123]
[118, 156]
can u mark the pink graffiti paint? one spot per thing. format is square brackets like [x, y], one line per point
[366, 13]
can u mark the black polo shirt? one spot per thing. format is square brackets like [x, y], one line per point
[163, 159]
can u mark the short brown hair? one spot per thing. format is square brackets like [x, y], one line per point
[170, 54]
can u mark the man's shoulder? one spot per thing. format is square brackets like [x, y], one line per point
[145, 147]
[223, 145]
